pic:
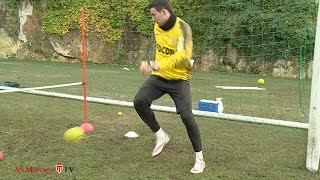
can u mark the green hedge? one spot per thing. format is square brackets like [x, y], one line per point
[265, 29]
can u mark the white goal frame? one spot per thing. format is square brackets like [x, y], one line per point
[313, 147]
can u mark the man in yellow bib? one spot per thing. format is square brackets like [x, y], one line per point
[170, 74]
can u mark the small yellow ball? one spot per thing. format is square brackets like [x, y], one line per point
[73, 135]
[119, 113]
[261, 81]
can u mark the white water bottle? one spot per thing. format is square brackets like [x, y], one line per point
[220, 105]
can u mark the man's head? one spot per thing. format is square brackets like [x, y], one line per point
[160, 11]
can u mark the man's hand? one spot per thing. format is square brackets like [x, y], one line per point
[154, 65]
[145, 68]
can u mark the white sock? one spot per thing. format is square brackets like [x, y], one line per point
[199, 156]
[160, 134]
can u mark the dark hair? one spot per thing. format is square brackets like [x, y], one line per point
[160, 4]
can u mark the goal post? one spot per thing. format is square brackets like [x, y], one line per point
[313, 147]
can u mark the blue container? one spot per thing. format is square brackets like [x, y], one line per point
[208, 105]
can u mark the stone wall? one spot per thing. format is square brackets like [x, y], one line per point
[231, 62]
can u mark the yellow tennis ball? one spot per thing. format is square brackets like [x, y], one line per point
[119, 113]
[73, 135]
[261, 81]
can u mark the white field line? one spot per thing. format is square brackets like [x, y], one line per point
[240, 88]
[173, 110]
[41, 87]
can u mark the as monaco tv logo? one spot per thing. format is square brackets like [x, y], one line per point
[59, 167]
[34, 169]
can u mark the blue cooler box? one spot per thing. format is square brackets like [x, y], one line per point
[208, 105]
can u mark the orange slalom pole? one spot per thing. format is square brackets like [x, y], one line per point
[84, 72]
